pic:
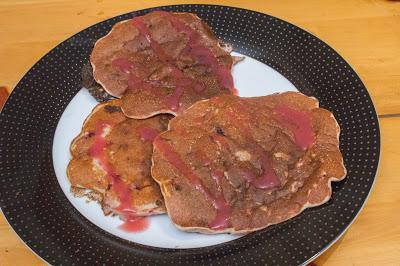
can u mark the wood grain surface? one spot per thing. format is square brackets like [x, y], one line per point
[365, 32]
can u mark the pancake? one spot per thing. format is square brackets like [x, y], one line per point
[162, 62]
[237, 165]
[111, 159]
[95, 89]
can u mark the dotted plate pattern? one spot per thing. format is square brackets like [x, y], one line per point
[41, 215]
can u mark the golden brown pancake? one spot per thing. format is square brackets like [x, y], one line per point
[161, 62]
[111, 158]
[231, 164]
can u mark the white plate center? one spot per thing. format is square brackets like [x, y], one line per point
[251, 77]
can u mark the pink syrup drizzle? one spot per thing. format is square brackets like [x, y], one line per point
[97, 150]
[219, 202]
[299, 123]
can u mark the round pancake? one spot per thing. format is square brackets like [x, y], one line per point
[111, 157]
[237, 165]
[161, 62]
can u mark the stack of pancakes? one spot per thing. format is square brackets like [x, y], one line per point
[178, 140]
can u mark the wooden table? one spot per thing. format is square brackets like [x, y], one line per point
[365, 32]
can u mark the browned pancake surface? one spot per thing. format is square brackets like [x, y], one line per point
[161, 63]
[127, 160]
[236, 165]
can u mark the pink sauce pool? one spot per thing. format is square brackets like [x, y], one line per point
[135, 224]
[299, 123]
[219, 203]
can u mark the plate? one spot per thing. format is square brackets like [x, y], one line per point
[47, 108]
